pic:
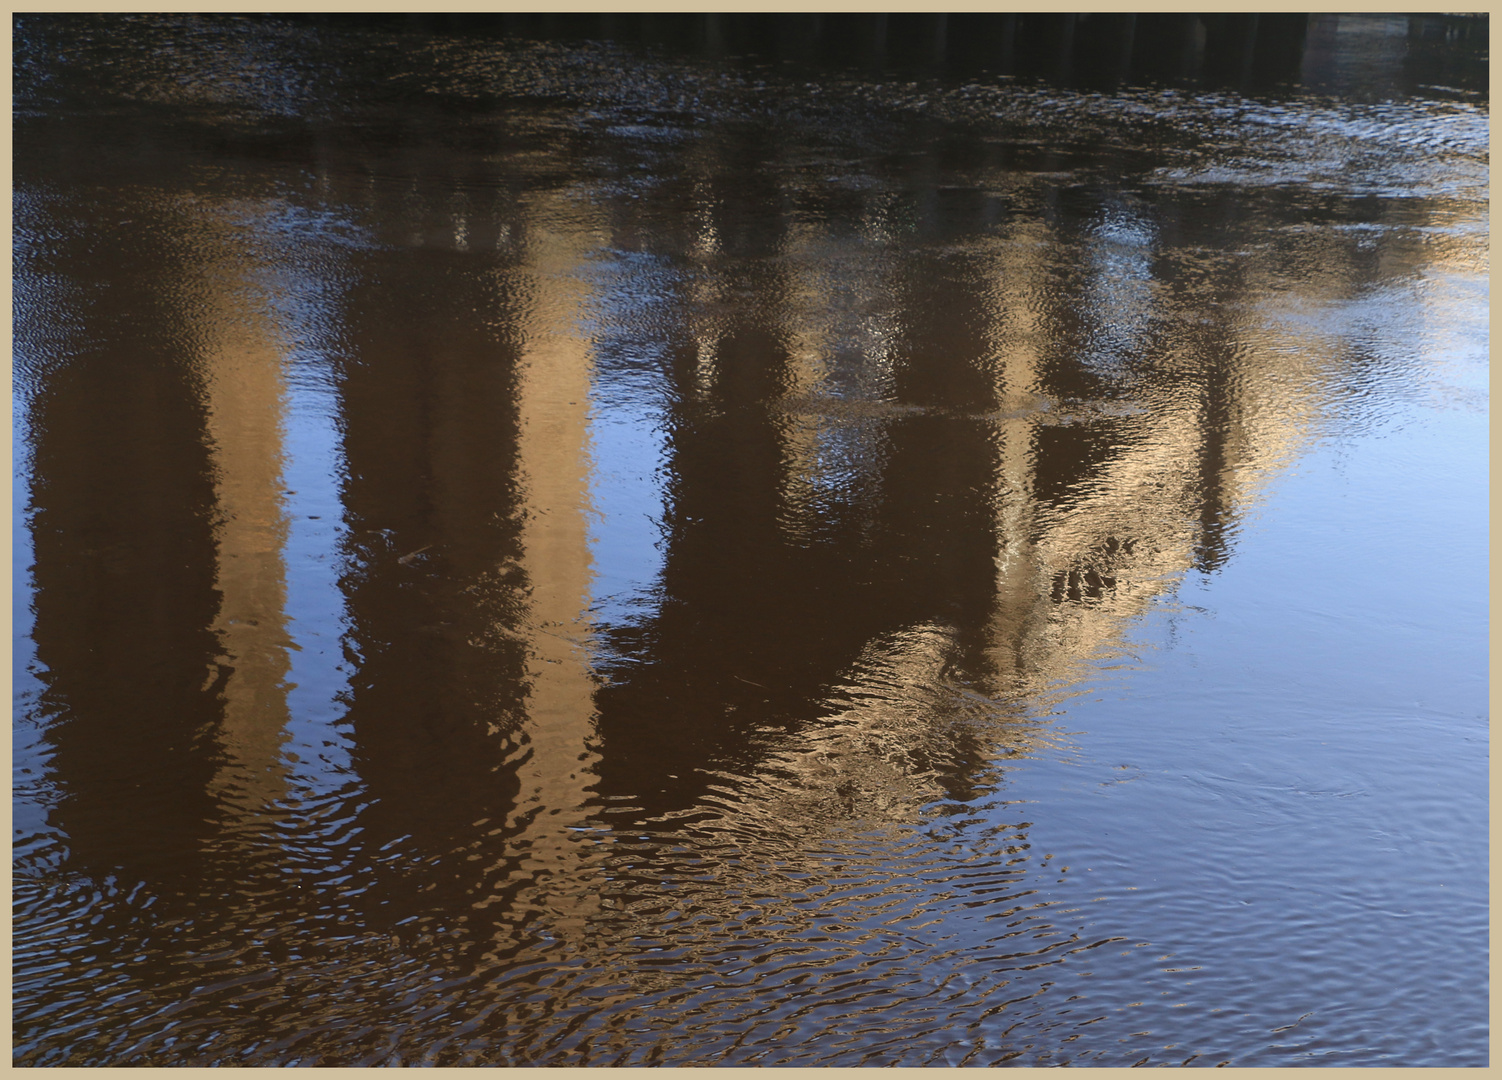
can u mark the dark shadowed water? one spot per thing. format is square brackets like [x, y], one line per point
[573, 552]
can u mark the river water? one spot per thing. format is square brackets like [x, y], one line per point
[565, 552]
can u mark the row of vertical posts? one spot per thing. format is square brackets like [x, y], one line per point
[1089, 48]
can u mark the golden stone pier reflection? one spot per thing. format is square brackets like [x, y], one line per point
[242, 366]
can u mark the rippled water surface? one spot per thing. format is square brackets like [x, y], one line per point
[561, 552]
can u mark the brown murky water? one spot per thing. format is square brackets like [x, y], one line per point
[555, 553]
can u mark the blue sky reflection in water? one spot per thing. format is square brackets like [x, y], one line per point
[561, 552]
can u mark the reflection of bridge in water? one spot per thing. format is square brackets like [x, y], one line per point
[930, 451]
[862, 440]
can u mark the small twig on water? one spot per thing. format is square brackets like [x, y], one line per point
[406, 560]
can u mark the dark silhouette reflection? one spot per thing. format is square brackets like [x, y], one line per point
[429, 436]
[123, 516]
[433, 591]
